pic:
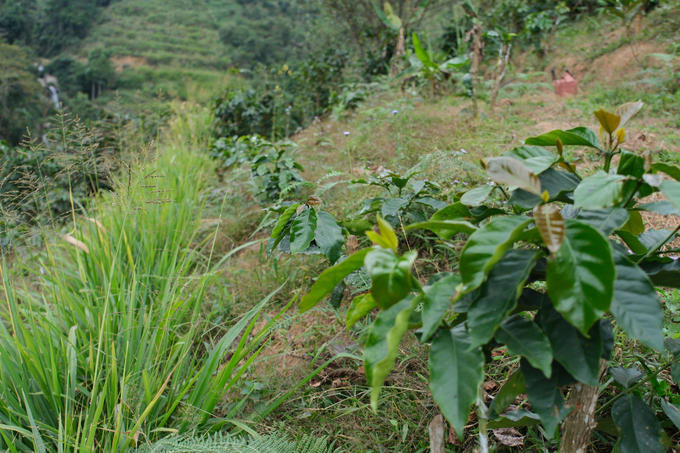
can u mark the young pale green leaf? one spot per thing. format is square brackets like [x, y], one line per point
[599, 191]
[283, 220]
[387, 232]
[580, 276]
[498, 294]
[609, 121]
[476, 196]
[390, 275]
[636, 305]
[627, 111]
[672, 412]
[486, 246]
[551, 225]
[436, 303]
[635, 224]
[455, 375]
[329, 236]
[579, 355]
[524, 338]
[360, 307]
[670, 170]
[421, 53]
[302, 230]
[579, 136]
[445, 229]
[507, 394]
[545, 397]
[330, 278]
[639, 428]
[512, 172]
[382, 345]
[672, 191]
[606, 220]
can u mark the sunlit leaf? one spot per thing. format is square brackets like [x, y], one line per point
[390, 275]
[506, 170]
[476, 196]
[551, 225]
[609, 121]
[360, 307]
[283, 220]
[599, 191]
[579, 136]
[329, 279]
[382, 345]
[445, 229]
[627, 111]
[456, 371]
[580, 276]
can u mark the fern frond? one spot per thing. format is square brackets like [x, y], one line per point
[225, 443]
[330, 174]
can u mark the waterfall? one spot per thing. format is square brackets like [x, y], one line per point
[55, 96]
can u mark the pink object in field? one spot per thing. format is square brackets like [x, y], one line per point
[566, 86]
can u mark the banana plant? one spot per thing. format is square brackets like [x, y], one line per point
[429, 66]
[541, 280]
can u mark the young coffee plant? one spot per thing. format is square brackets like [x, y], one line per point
[542, 281]
[275, 170]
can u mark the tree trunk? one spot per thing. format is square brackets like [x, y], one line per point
[579, 425]
[503, 63]
[437, 435]
[399, 51]
[92, 97]
[477, 51]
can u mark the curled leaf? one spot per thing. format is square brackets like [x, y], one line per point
[627, 111]
[647, 158]
[313, 200]
[551, 226]
[653, 180]
[621, 135]
[560, 148]
[76, 243]
[299, 209]
[609, 121]
[506, 170]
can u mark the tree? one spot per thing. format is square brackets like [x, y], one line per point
[20, 94]
[17, 20]
[98, 73]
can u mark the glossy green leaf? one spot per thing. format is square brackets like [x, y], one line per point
[357, 227]
[579, 355]
[630, 164]
[382, 345]
[445, 229]
[486, 246]
[599, 191]
[654, 239]
[390, 275]
[455, 211]
[436, 303]
[580, 276]
[632, 242]
[421, 53]
[670, 170]
[507, 394]
[559, 184]
[329, 279]
[672, 412]
[302, 230]
[606, 220]
[579, 136]
[639, 428]
[524, 338]
[660, 207]
[455, 375]
[636, 305]
[360, 307]
[476, 196]
[329, 236]
[663, 271]
[545, 397]
[283, 220]
[498, 294]
[480, 213]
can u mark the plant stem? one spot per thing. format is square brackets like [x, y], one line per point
[642, 382]
[660, 244]
[607, 161]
